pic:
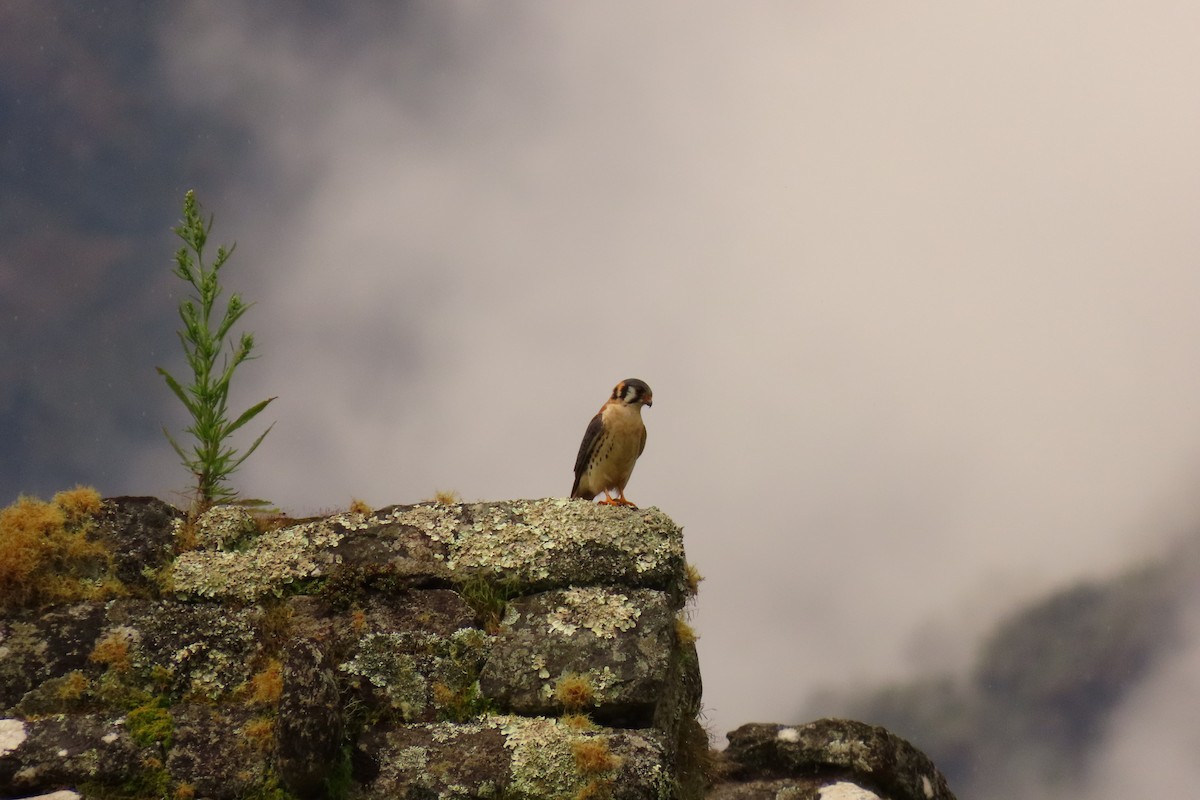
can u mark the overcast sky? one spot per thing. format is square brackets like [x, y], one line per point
[915, 287]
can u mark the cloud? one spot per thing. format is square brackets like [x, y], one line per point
[914, 287]
[1152, 742]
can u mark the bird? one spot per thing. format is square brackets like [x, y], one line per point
[614, 439]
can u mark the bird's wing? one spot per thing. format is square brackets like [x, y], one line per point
[590, 438]
[642, 446]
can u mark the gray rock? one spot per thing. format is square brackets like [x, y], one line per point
[310, 725]
[46, 754]
[534, 758]
[618, 643]
[828, 752]
[213, 752]
[141, 534]
[37, 647]
[420, 651]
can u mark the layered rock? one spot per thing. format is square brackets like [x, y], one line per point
[829, 759]
[514, 649]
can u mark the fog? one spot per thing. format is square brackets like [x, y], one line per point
[914, 286]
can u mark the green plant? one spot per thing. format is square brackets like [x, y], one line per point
[488, 599]
[212, 459]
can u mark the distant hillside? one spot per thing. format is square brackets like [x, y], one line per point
[1045, 684]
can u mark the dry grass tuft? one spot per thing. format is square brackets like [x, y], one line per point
[578, 722]
[260, 733]
[359, 507]
[46, 555]
[266, 687]
[113, 652]
[74, 686]
[574, 692]
[79, 504]
[592, 756]
[684, 632]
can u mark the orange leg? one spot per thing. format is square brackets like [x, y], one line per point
[619, 500]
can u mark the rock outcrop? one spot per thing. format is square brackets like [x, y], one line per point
[514, 649]
[522, 649]
[830, 759]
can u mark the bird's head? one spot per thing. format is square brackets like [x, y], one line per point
[633, 392]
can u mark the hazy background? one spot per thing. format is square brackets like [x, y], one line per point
[915, 286]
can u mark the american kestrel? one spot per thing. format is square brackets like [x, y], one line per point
[612, 443]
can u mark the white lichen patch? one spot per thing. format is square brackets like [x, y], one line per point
[601, 611]
[539, 663]
[272, 561]
[439, 522]
[381, 661]
[788, 735]
[538, 541]
[542, 764]
[846, 791]
[851, 752]
[528, 539]
[442, 732]
[221, 526]
[927, 786]
[12, 733]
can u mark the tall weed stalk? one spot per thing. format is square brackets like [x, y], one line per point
[211, 459]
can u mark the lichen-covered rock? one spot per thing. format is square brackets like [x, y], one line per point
[534, 758]
[186, 649]
[271, 562]
[38, 647]
[832, 751]
[140, 532]
[554, 543]
[532, 545]
[310, 723]
[45, 754]
[523, 649]
[223, 528]
[218, 752]
[794, 788]
[414, 676]
[439, 760]
[616, 644]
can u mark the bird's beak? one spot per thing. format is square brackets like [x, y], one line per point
[649, 401]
